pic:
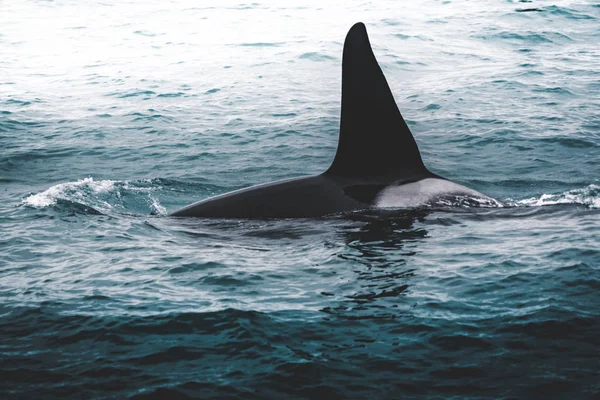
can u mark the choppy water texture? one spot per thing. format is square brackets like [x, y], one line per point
[114, 113]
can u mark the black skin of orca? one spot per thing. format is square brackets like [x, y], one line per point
[375, 149]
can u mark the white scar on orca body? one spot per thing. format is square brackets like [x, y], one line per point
[429, 191]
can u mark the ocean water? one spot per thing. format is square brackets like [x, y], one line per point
[113, 114]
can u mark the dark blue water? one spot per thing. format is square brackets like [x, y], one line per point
[112, 115]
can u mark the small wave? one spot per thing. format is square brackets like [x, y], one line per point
[313, 56]
[554, 90]
[529, 37]
[406, 37]
[175, 94]
[568, 13]
[152, 116]
[145, 33]
[529, 10]
[50, 197]
[103, 195]
[432, 107]
[20, 103]
[134, 93]
[261, 44]
[588, 196]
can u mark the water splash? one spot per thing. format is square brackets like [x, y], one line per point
[588, 196]
[72, 191]
[103, 195]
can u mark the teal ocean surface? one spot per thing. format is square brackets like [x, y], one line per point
[113, 114]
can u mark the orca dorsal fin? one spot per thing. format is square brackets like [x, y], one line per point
[374, 142]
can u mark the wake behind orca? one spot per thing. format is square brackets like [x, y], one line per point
[377, 164]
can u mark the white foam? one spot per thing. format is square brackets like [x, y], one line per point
[68, 190]
[589, 196]
[156, 206]
[101, 195]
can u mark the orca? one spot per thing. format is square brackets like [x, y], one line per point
[377, 164]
